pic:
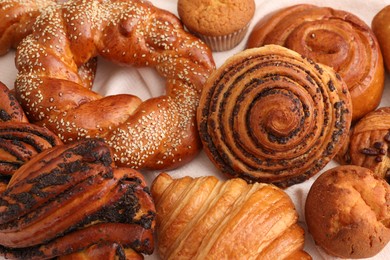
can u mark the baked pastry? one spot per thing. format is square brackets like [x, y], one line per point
[157, 133]
[72, 198]
[19, 140]
[380, 26]
[369, 142]
[222, 25]
[10, 109]
[332, 37]
[353, 219]
[270, 115]
[17, 19]
[205, 218]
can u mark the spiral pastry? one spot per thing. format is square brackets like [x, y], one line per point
[71, 197]
[369, 143]
[335, 38]
[270, 115]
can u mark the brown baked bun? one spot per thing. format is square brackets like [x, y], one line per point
[348, 213]
[381, 27]
[369, 143]
[332, 37]
[270, 115]
[206, 218]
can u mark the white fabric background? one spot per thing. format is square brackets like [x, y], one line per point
[145, 83]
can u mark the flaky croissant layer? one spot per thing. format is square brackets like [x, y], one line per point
[205, 218]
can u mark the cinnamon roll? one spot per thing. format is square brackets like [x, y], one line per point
[71, 198]
[270, 115]
[332, 37]
[369, 143]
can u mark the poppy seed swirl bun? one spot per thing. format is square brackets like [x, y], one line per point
[270, 115]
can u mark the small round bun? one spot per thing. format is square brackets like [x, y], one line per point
[381, 27]
[221, 25]
[347, 212]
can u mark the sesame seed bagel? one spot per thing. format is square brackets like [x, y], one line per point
[158, 133]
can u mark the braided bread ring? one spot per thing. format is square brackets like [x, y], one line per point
[158, 133]
[270, 115]
[17, 19]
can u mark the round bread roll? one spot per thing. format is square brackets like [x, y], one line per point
[353, 220]
[270, 115]
[381, 27]
[332, 37]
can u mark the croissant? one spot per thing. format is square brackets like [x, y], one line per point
[368, 143]
[205, 218]
[72, 198]
[270, 115]
[380, 26]
[17, 19]
[332, 37]
[157, 133]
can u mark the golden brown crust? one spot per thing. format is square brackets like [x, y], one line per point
[353, 220]
[17, 19]
[215, 18]
[369, 142]
[71, 197]
[206, 218]
[157, 133]
[381, 27]
[270, 115]
[324, 35]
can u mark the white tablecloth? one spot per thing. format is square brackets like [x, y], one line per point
[145, 83]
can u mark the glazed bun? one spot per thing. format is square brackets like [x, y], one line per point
[324, 35]
[381, 27]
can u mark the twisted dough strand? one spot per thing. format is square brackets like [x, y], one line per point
[157, 133]
[71, 197]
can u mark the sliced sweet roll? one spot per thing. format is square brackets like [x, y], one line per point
[71, 200]
[19, 142]
[10, 109]
[270, 115]
[369, 143]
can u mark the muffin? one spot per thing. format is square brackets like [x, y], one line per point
[353, 220]
[220, 24]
